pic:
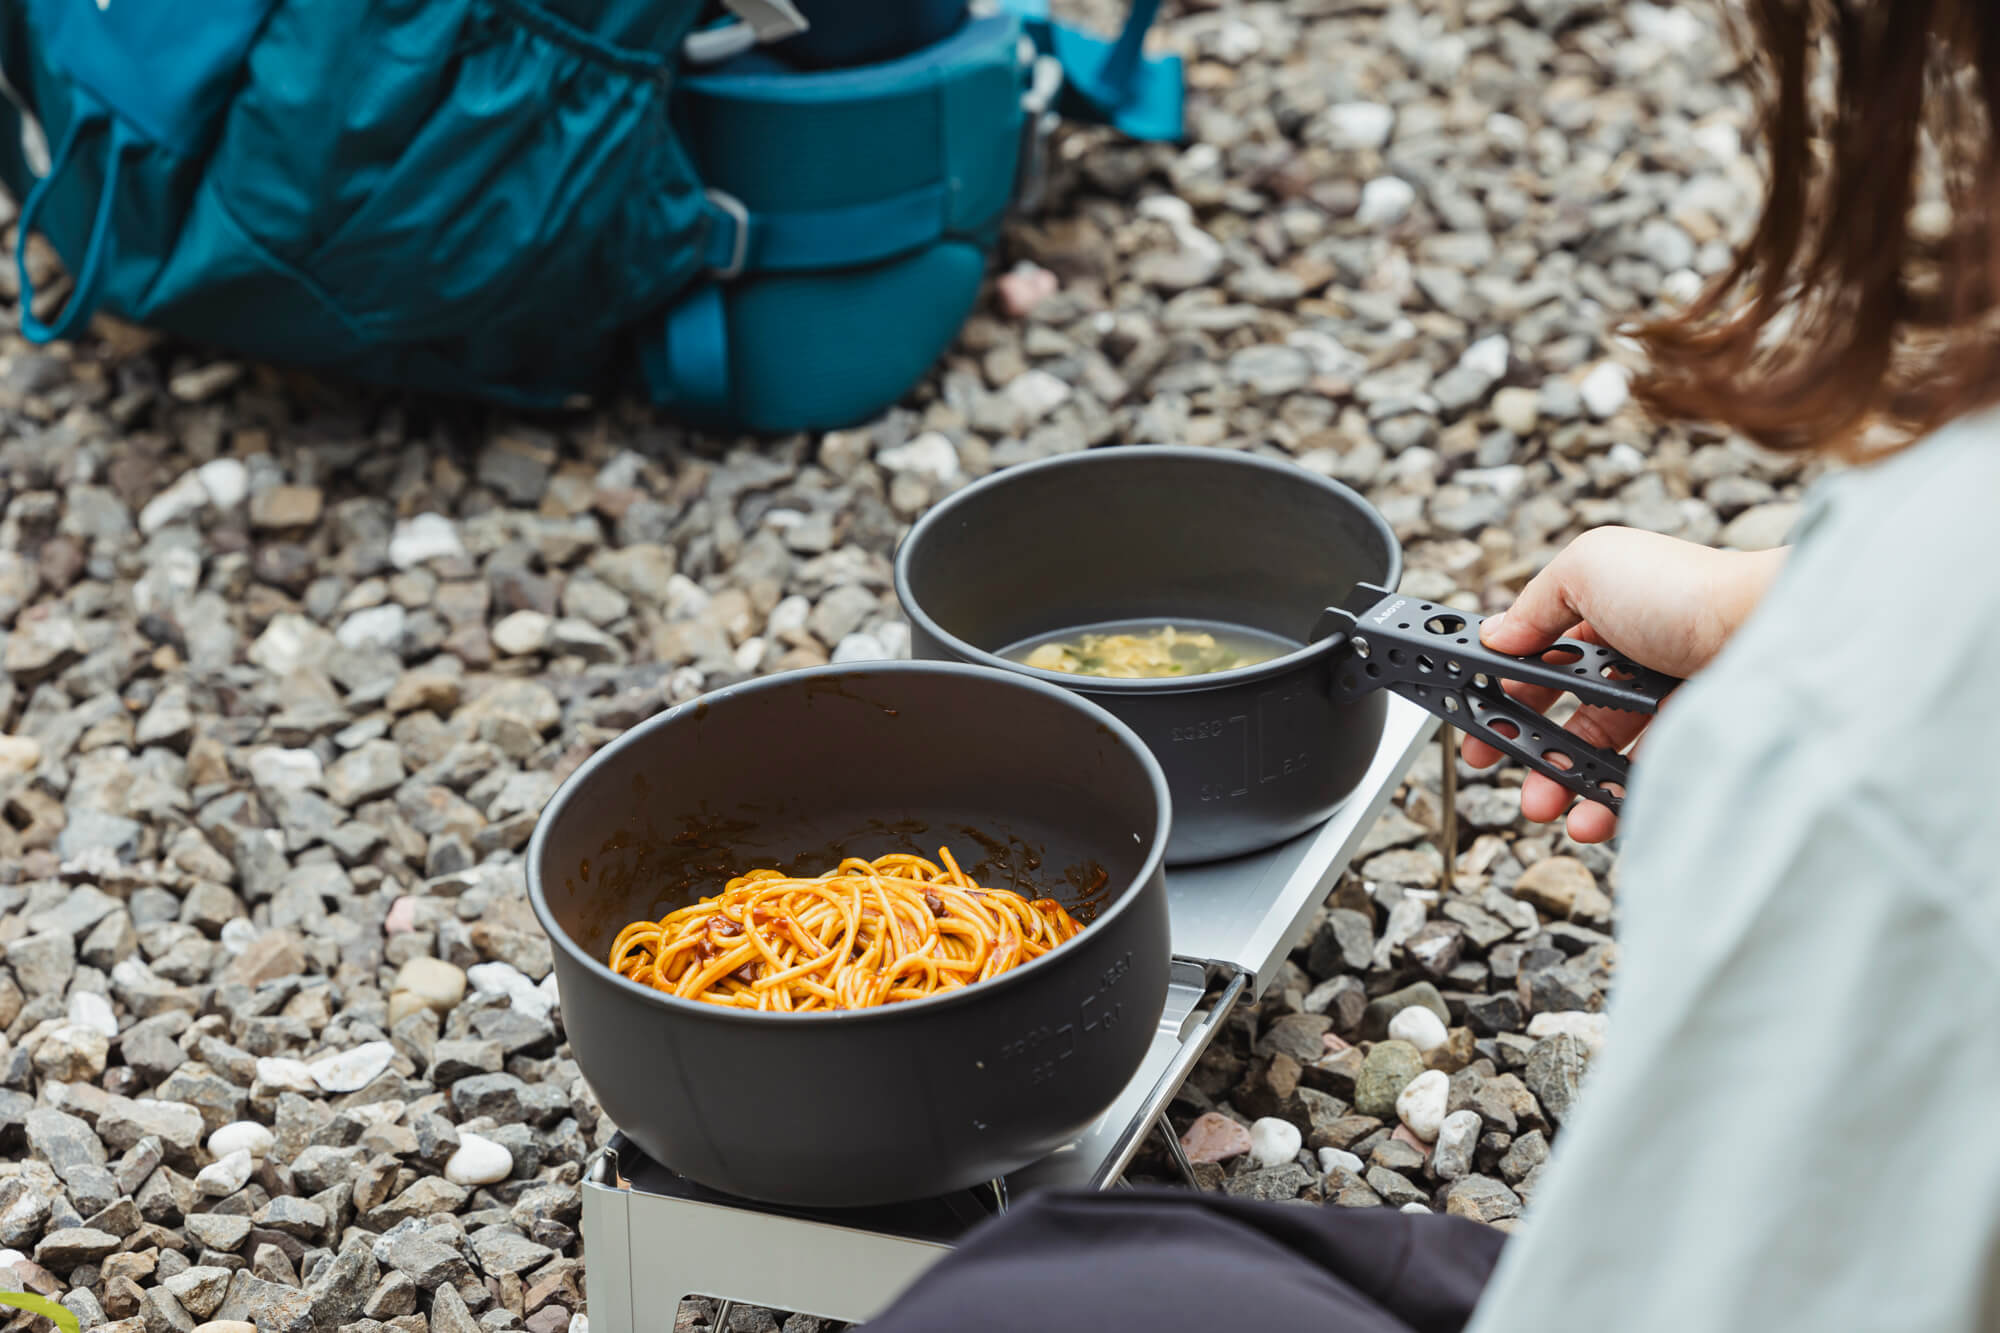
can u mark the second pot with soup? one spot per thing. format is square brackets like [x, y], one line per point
[1090, 557]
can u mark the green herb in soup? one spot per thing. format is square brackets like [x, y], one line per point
[1149, 651]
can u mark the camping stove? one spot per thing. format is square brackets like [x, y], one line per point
[652, 1237]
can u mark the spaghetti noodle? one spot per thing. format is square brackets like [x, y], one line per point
[866, 933]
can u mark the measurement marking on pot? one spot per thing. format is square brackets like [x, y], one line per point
[1048, 1046]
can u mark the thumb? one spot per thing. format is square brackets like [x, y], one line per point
[1543, 613]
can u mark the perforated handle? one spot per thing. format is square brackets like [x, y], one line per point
[1432, 656]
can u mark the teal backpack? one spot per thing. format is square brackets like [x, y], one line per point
[767, 215]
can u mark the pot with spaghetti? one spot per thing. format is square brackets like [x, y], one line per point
[859, 935]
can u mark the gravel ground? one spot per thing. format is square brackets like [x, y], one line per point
[288, 671]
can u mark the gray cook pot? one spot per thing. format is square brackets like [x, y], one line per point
[1253, 756]
[1030, 786]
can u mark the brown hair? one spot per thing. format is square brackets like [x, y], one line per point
[1844, 326]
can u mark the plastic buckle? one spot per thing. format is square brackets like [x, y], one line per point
[1038, 122]
[739, 251]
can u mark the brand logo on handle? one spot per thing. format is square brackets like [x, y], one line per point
[1389, 612]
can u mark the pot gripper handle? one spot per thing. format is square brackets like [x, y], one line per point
[1431, 655]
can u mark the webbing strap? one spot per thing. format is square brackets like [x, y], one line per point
[697, 354]
[826, 238]
[1111, 81]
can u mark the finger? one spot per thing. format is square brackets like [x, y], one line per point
[1543, 613]
[1544, 799]
[1591, 822]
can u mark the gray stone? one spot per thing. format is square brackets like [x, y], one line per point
[271, 1306]
[1389, 1067]
[1272, 1184]
[1345, 1189]
[1483, 1199]
[1393, 1188]
[65, 1249]
[498, 1096]
[504, 1250]
[370, 770]
[1555, 1073]
[1375, 1019]
[43, 964]
[1345, 941]
[63, 1141]
[427, 1263]
[1526, 1153]
[1297, 1035]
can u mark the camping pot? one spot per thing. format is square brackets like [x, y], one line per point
[1253, 756]
[1031, 786]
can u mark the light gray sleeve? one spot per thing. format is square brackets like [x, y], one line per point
[1795, 1124]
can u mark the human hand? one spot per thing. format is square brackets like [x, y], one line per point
[1660, 602]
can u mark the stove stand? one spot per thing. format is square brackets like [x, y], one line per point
[652, 1237]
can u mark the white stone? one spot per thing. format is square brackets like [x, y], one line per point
[1413, 1207]
[1035, 394]
[1590, 1029]
[88, 1009]
[1488, 358]
[1606, 390]
[1421, 1105]
[523, 633]
[1720, 140]
[1273, 1142]
[1328, 354]
[19, 755]
[9, 1258]
[931, 456]
[478, 1161]
[684, 599]
[1385, 201]
[1419, 1027]
[375, 627]
[1762, 527]
[437, 984]
[579, 1323]
[1329, 1158]
[354, 1069]
[1677, 28]
[238, 934]
[423, 537]
[548, 993]
[1457, 1137]
[749, 655]
[71, 1053]
[1507, 131]
[225, 1175]
[1359, 124]
[1682, 286]
[860, 647]
[276, 769]
[505, 979]
[289, 642]
[182, 500]
[241, 1136]
[1505, 481]
[1171, 209]
[226, 480]
[788, 616]
[1236, 41]
[278, 1073]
